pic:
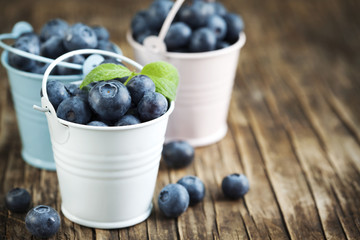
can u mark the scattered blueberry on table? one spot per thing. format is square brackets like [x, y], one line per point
[173, 200]
[18, 200]
[195, 188]
[235, 185]
[42, 221]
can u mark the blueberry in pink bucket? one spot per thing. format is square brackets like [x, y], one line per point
[42, 221]
[235, 185]
[18, 200]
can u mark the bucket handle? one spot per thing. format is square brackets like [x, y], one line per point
[24, 27]
[60, 130]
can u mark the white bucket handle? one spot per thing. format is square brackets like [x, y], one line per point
[61, 132]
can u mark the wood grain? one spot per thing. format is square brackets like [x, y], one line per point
[294, 128]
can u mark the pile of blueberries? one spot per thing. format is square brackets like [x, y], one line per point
[199, 26]
[175, 198]
[56, 38]
[108, 103]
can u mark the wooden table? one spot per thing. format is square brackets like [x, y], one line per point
[294, 127]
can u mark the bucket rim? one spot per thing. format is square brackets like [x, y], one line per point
[4, 61]
[196, 55]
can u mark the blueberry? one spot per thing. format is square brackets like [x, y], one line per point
[178, 154]
[27, 42]
[139, 24]
[54, 27]
[127, 120]
[195, 188]
[42, 221]
[218, 25]
[106, 46]
[157, 12]
[138, 85]
[101, 33]
[178, 36]
[110, 100]
[196, 14]
[74, 90]
[80, 36]
[18, 200]
[141, 37]
[235, 185]
[74, 109]
[202, 40]
[235, 25]
[173, 200]
[219, 8]
[97, 123]
[40, 68]
[152, 105]
[53, 47]
[77, 59]
[56, 92]
[222, 44]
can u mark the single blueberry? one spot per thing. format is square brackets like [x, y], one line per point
[54, 27]
[53, 47]
[195, 188]
[235, 185]
[138, 85]
[80, 36]
[97, 123]
[127, 120]
[157, 12]
[74, 109]
[42, 221]
[218, 25]
[173, 200]
[18, 200]
[152, 105]
[77, 59]
[202, 40]
[178, 154]
[178, 36]
[101, 33]
[57, 92]
[235, 25]
[110, 100]
[196, 14]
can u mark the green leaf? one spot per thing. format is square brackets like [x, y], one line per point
[165, 76]
[104, 72]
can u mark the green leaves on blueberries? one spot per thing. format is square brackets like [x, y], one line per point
[164, 75]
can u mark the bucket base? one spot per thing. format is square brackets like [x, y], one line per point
[38, 163]
[107, 225]
[203, 141]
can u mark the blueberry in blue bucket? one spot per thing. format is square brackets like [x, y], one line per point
[178, 154]
[80, 36]
[42, 221]
[195, 188]
[173, 200]
[235, 185]
[18, 200]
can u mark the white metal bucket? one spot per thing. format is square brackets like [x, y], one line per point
[204, 92]
[107, 175]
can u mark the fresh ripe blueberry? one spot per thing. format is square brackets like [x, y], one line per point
[157, 12]
[173, 200]
[74, 109]
[53, 47]
[77, 59]
[28, 42]
[195, 188]
[57, 92]
[152, 105]
[101, 33]
[80, 36]
[74, 90]
[222, 44]
[235, 185]
[54, 27]
[127, 120]
[110, 100]
[178, 35]
[106, 46]
[196, 14]
[97, 123]
[219, 8]
[139, 23]
[178, 154]
[40, 68]
[42, 221]
[235, 25]
[18, 200]
[138, 85]
[218, 25]
[202, 40]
